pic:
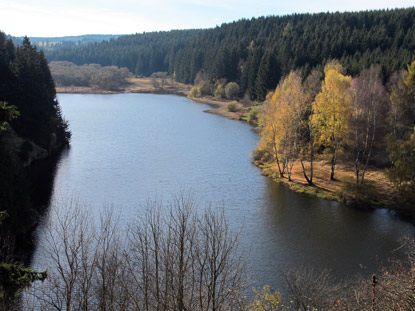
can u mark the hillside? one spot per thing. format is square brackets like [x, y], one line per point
[256, 53]
[56, 43]
[31, 127]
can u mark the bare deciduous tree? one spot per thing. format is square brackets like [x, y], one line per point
[369, 103]
[186, 262]
[308, 289]
[171, 259]
[70, 252]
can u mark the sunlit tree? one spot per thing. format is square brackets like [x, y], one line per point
[283, 116]
[312, 86]
[333, 111]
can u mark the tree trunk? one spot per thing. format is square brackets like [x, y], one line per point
[309, 179]
[281, 172]
[333, 165]
[357, 171]
[289, 169]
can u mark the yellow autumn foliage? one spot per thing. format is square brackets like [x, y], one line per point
[281, 119]
[333, 110]
[265, 300]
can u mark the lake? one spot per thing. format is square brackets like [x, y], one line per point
[129, 148]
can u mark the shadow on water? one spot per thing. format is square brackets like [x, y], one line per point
[41, 175]
[318, 234]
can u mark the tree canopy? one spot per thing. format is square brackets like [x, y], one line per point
[257, 52]
[30, 117]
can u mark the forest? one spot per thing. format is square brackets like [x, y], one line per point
[31, 127]
[256, 53]
[56, 43]
[333, 116]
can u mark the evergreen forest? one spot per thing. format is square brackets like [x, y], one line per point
[256, 53]
[31, 127]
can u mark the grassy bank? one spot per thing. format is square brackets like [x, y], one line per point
[378, 191]
[219, 107]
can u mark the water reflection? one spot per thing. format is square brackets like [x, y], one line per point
[41, 174]
[313, 233]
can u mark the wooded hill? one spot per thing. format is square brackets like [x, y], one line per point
[31, 127]
[56, 43]
[256, 53]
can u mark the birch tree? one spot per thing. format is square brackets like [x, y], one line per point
[283, 116]
[312, 86]
[369, 103]
[332, 113]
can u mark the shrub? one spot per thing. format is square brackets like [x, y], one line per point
[232, 106]
[402, 172]
[232, 90]
[205, 88]
[357, 193]
[219, 92]
[195, 92]
[260, 154]
[202, 89]
[253, 115]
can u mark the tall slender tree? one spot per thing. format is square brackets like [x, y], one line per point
[332, 109]
[312, 86]
[369, 106]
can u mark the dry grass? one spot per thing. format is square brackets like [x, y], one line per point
[82, 90]
[136, 85]
[145, 85]
[219, 107]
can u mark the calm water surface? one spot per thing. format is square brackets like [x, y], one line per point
[129, 148]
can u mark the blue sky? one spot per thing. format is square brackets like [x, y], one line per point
[75, 17]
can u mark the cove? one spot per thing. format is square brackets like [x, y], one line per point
[128, 148]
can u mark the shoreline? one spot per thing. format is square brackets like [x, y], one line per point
[386, 196]
[323, 188]
[218, 106]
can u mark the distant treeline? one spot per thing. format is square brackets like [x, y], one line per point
[56, 43]
[256, 53]
[31, 126]
[107, 78]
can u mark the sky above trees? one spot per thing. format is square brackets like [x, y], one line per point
[76, 17]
